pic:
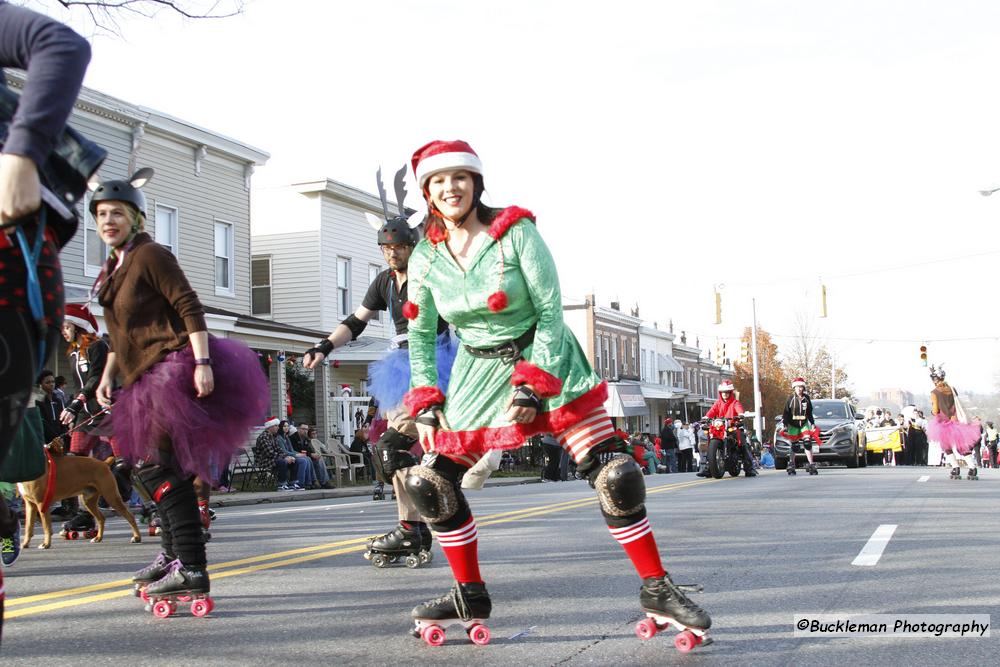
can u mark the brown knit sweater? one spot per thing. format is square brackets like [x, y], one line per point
[149, 308]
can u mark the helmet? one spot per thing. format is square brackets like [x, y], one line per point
[726, 385]
[123, 191]
[398, 231]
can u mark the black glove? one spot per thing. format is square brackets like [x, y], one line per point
[525, 398]
[75, 406]
[324, 347]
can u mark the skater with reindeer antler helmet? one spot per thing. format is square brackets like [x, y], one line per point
[188, 400]
[950, 427]
[799, 427]
[519, 372]
[389, 378]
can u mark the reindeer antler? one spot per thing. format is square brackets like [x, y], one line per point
[400, 183]
[381, 192]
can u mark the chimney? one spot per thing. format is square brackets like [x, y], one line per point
[615, 306]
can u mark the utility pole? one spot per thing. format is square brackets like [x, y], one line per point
[757, 427]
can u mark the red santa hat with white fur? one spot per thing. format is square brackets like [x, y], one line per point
[81, 317]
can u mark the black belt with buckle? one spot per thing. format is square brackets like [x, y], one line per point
[509, 351]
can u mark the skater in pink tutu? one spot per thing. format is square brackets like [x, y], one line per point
[188, 399]
[949, 426]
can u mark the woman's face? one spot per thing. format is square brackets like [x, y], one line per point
[114, 222]
[69, 331]
[451, 192]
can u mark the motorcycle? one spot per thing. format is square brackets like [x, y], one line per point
[724, 448]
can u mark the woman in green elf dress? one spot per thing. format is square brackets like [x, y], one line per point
[518, 372]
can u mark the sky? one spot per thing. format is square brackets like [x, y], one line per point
[761, 147]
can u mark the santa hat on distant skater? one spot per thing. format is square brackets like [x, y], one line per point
[80, 317]
[441, 156]
[273, 421]
[798, 382]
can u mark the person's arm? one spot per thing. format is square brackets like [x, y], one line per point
[55, 59]
[107, 381]
[712, 411]
[786, 416]
[345, 332]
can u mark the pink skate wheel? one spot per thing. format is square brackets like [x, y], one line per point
[211, 604]
[71, 535]
[686, 641]
[479, 634]
[142, 595]
[645, 629]
[433, 635]
[162, 609]
[152, 531]
[200, 608]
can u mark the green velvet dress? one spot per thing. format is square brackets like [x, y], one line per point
[514, 259]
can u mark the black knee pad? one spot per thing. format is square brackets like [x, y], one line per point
[436, 496]
[620, 487]
[392, 453]
[122, 471]
[155, 482]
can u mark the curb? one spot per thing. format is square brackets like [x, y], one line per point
[322, 494]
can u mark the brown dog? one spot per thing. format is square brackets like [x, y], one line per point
[75, 475]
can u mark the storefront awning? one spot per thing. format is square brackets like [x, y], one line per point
[668, 363]
[657, 392]
[625, 400]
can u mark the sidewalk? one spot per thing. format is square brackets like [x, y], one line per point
[237, 498]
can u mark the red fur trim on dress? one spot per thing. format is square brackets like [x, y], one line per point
[506, 219]
[515, 435]
[420, 398]
[544, 382]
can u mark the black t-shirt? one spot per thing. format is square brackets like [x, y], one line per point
[383, 295]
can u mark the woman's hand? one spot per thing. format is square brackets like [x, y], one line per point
[521, 414]
[426, 432]
[20, 190]
[204, 380]
[104, 393]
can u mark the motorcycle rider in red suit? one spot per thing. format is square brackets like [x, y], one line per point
[729, 407]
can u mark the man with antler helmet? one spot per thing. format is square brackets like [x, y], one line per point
[389, 378]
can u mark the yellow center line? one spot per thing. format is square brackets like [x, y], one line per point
[282, 558]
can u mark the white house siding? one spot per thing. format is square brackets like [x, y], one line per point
[216, 194]
[295, 276]
[346, 233]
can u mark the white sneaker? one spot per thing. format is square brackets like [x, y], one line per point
[296, 487]
[284, 487]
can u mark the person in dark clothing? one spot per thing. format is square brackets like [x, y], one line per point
[55, 59]
[50, 406]
[360, 446]
[668, 442]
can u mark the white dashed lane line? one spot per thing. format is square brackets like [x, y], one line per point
[872, 551]
[924, 478]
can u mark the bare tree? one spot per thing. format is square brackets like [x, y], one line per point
[105, 14]
[808, 357]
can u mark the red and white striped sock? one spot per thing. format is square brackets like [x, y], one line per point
[639, 544]
[461, 548]
[589, 431]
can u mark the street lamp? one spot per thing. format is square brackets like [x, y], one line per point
[987, 193]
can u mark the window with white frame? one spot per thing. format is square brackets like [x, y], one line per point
[224, 253]
[598, 357]
[344, 286]
[614, 357]
[606, 342]
[95, 252]
[260, 285]
[165, 227]
[373, 271]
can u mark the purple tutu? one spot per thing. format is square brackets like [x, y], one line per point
[204, 432]
[389, 377]
[952, 435]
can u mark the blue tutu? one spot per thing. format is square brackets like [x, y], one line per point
[389, 377]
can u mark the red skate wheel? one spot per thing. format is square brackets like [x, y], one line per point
[211, 604]
[646, 629]
[142, 595]
[479, 634]
[433, 635]
[200, 608]
[73, 535]
[162, 609]
[686, 641]
[152, 531]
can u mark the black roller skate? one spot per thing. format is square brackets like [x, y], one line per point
[811, 468]
[956, 473]
[179, 584]
[791, 467]
[413, 545]
[973, 474]
[80, 527]
[378, 492]
[147, 575]
[666, 605]
[467, 605]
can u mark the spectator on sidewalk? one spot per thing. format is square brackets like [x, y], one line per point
[268, 449]
[360, 446]
[302, 445]
[668, 440]
[285, 431]
[50, 406]
[685, 448]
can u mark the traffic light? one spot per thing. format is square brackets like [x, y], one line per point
[718, 307]
[744, 351]
[923, 355]
[720, 353]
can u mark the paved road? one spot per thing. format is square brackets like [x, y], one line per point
[291, 586]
